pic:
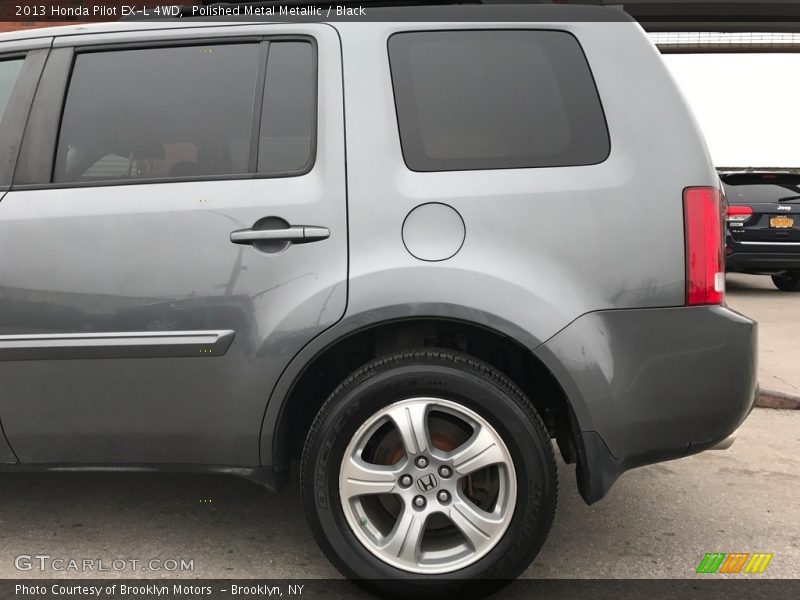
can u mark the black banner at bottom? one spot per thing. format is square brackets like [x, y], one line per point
[334, 589]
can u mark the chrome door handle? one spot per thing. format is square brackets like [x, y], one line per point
[298, 234]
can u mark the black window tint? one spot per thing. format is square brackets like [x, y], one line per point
[9, 71]
[158, 112]
[495, 100]
[289, 109]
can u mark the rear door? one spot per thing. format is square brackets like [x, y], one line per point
[20, 67]
[175, 233]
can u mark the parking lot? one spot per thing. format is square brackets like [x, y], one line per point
[657, 521]
[778, 316]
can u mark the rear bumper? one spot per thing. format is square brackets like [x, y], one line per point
[652, 385]
[744, 262]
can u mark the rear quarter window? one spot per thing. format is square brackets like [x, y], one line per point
[9, 71]
[470, 100]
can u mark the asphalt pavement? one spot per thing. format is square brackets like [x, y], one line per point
[778, 316]
[657, 521]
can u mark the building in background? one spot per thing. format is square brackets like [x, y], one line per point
[9, 21]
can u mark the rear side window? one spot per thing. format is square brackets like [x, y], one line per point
[182, 112]
[495, 100]
[158, 112]
[9, 71]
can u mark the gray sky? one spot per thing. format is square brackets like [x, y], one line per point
[747, 104]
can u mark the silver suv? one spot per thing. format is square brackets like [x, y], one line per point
[409, 251]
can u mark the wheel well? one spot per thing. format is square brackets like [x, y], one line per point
[336, 362]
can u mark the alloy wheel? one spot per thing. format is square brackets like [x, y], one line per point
[427, 485]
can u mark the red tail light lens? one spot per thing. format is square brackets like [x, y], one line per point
[738, 214]
[705, 266]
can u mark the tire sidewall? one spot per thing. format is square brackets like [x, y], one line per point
[787, 283]
[379, 388]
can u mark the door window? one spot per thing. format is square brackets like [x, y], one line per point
[289, 113]
[183, 112]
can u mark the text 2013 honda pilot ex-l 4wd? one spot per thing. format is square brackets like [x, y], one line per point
[410, 251]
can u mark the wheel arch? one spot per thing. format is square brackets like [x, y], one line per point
[316, 370]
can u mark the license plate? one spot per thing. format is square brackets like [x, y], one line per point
[781, 222]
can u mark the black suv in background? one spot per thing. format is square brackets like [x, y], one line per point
[763, 225]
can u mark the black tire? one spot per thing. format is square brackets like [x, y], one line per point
[789, 282]
[480, 388]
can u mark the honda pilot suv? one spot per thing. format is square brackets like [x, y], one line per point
[409, 252]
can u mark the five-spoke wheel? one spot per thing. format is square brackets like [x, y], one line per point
[427, 485]
[426, 472]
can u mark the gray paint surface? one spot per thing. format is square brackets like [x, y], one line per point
[158, 257]
[433, 232]
[623, 216]
[656, 380]
[543, 246]
[6, 453]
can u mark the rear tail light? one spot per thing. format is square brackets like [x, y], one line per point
[738, 214]
[705, 266]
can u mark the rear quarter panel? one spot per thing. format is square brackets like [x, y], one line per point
[543, 245]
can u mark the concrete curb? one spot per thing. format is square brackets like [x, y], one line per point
[774, 399]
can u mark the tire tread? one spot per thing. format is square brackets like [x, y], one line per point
[525, 549]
